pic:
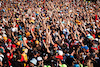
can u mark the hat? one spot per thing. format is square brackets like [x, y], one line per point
[13, 45]
[5, 38]
[34, 61]
[39, 58]
[57, 22]
[16, 25]
[25, 50]
[1, 28]
[32, 21]
[27, 34]
[60, 52]
[25, 38]
[85, 47]
[13, 29]
[89, 36]
[96, 39]
[55, 45]
[9, 40]
[36, 42]
[17, 19]
[59, 57]
[18, 43]
[64, 31]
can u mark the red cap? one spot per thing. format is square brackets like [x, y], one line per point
[9, 40]
[59, 57]
[13, 45]
[16, 25]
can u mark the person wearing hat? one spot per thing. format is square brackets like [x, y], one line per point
[33, 62]
[40, 61]
[76, 64]
[60, 58]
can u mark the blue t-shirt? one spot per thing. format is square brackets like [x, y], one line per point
[76, 65]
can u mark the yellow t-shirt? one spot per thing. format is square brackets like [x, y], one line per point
[25, 57]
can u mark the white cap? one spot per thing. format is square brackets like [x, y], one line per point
[0, 27]
[93, 22]
[60, 52]
[70, 11]
[88, 34]
[97, 20]
[57, 21]
[33, 18]
[64, 30]
[13, 29]
[39, 58]
[96, 39]
[25, 38]
[88, 29]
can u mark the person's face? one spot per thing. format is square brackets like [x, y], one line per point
[73, 38]
[31, 65]
[39, 62]
[53, 31]
[40, 28]
[87, 32]
[52, 27]
[14, 49]
[45, 58]
[55, 48]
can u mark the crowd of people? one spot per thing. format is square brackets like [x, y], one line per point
[49, 33]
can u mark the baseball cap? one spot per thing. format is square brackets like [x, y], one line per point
[59, 57]
[9, 40]
[60, 52]
[13, 45]
[39, 58]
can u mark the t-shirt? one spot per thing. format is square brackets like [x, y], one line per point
[25, 57]
[76, 65]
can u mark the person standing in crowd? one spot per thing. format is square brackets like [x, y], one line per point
[49, 33]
